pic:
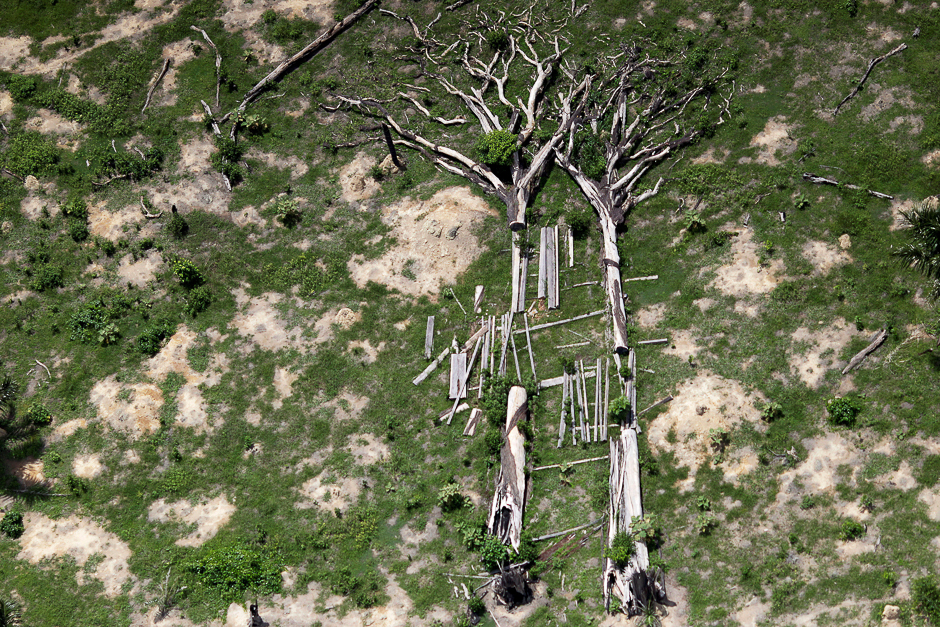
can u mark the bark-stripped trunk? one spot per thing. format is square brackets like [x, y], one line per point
[611, 262]
[505, 521]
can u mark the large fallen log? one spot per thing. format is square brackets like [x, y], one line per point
[876, 341]
[871, 66]
[156, 81]
[505, 520]
[821, 180]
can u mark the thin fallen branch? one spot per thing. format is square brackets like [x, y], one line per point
[113, 178]
[580, 461]
[146, 213]
[662, 340]
[218, 62]
[166, 66]
[16, 176]
[218, 132]
[566, 531]
[39, 363]
[652, 277]
[656, 404]
[308, 51]
[555, 324]
[821, 180]
[871, 66]
[876, 341]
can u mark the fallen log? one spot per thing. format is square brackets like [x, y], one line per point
[473, 421]
[218, 62]
[876, 341]
[871, 66]
[431, 367]
[156, 81]
[656, 404]
[429, 338]
[567, 531]
[505, 519]
[652, 277]
[821, 180]
[556, 381]
[308, 51]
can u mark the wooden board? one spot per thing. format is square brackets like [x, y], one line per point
[429, 338]
[458, 374]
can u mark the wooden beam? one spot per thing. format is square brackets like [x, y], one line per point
[574, 463]
[431, 367]
[429, 338]
[478, 298]
[663, 340]
[652, 277]
[473, 421]
[506, 512]
[528, 343]
[559, 322]
[458, 372]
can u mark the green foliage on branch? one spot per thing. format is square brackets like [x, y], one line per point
[621, 549]
[496, 148]
[620, 409]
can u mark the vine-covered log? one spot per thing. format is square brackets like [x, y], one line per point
[505, 519]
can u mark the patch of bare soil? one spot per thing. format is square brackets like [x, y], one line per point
[259, 322]
[113, 224]
[81, 540]
[27, 471]
[364, 350]
[344, 317]
[291, 163]
[6, 103]
[435, 242]
[898, 206]
[712, 155]
[745, 275]
[886, 99]
[178, 52]
[818, 473]
[931, 498]
[49, 122]
[283, 385]
[142, 271]
[302, 611]
[191, 407]
[241, 14]
[39, 197]
[348, 405]
[677, 604]
[650, 317]
[208, 516]
[825, 345]
[704, 303]
[355, 180]
[773, 139]
[329, 493]
[683, 345]
[367, 449]
[87, 466]
[932, 159]
[64, 430]
[824, 256]
[137, 416]
[701, 404]
[753, 613]
[14, 51]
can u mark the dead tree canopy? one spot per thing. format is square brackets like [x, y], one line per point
[637, 108]
[497, 71]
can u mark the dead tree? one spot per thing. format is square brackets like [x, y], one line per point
[505, 520]
[464, 70]
[638, 110]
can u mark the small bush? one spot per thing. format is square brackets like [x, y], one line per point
[198, 300]
[497, 40]
[647, 529]
[38, 415]
[187, 273]
[621, 549]
[705, 522]
[177, 226]
[843, 411]
[492, 442]
[22, 87]
[78, 230]
[496, 148]
[75, 208]
[579, 220]
[31, 153]
[476, 606]
[12, 524]
[771, 412]
[288, 212]
[620, 410]
[230, 571]
[450, 499]
[77, 485]
[150, 341]
[851, 530]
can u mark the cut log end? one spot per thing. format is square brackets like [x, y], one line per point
[516, 225]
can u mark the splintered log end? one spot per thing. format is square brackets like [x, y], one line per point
[516, 225]
[622, 349]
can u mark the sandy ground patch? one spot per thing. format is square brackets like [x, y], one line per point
[824, 256]
[64, 430]
[435, 242]
[49, 122]
[137, 416]
[932, 159]
[207, 516]
[712, 155]
[301, 611]
[773, 139]
[87, 466]
[355, 181]
[239, 14]
[178, 52]
[79, 539]
[343, 317]
[931, 498]
[745, 275]
[368, 353]
[259, 322]
[886, 98]
[6, 103]
[752, 613]
[706, 402]
[348, 405]
[14, 51]
[367, 449]
[142, 271]
[296, 167]
[411, 539]
[683, 345]
[283, 385]
[650, 317]
[704, 303]
[201, 187]
[825, 345]
[818, 472]
[897, 207]
[113, 224]
[329, 495]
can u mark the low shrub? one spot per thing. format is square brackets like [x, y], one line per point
[12, 524]
[925, 599]
[47, 276]
[150, 341]
[851, 530]
[450, 499]
[496, 148]
[843, 411]
[38, 415]
[230, 571]
[198, 300]
[621, 549]
[78, 230]
[177, 226]
[187, 273]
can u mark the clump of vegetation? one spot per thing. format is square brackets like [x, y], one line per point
[450, 499]
[705, 522]
[230, 571]
[771, 411]
[621, 550]
[496, 148]
[647, 529]
[187, 273]
[843, 411]
[925, 599]
[38, 415]
[287, 211]
[851, 530]
[12, 524]
[620, 410]
[198, 300]
[177, 226]
[150, 340]
[478, 540]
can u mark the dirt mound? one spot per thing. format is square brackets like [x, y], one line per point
[81, 540]
[745, 275]
[822, 353]
[207, 516]
[283, 385]
[355, 180]
[329, 494]
[367, 449]
[113, 224]
[650, 317]
[87, 466]
[701, 404]
[142, 271]
[818, 473]
[435, 242]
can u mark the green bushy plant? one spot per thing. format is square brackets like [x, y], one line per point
[705, 522]
[771, 411]
[187, 273]
[38, 415]
[231, 571]
[925, 599]
[150, 340]
[198, 300]
[47, 276]
[496, 148]
[620, 410]
[177, 226]
[12, 524]
[450, 499]
[843, 411]
[851, 530]
[78, 230]
[621, 549]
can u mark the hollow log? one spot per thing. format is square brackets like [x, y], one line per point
[505, 520]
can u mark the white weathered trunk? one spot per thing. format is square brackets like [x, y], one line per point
[505, 520]
[611, 263]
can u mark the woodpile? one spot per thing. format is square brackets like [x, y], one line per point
[505, 519]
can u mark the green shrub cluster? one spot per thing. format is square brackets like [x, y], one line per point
[843, 411]
[150, 340]
[30, 153]
[12, 524]
[38, 415]
[186, 272]
[622, 548]
[925, 599]
[198, 300]
[496, 148]
[230, 571]
[307, 271]
[851, 530]
[478, 540]
[620, 410]
[94, 321]
[365, 589]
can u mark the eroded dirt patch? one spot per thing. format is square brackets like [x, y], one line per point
[239, 14]
[822, 354]
[114, 224]
[818, 473]
[650, 317]
[142, 271]
[81, 540]
[87, 466]
[367, 449]
[701, 404]
[27, 471]
[207, 516]
[355, 181]
[745, 275]
[201, 186]
[329, 494]
[824, 256]
[435, 242]
[259, 322]
[773, 139]
[179, 52]
[136, 413]
[283, 385]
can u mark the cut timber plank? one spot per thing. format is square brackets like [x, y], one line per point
[505, 519]
[556, 381]
[570, 249]
[876, 340]
[458, 374]
[478, 298]
[557, 269]
[462, 388]
[558, 322]
[519, 270]
[606, 397]
[473, 421]
[431, 367]
[515, 358]
[597, 402]
[561, 422]
[543, 269]
[663, 340]
[551, 270]
[574, 463]
[662, 401]
[528, 343]
[652, 277]
[429, 338]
